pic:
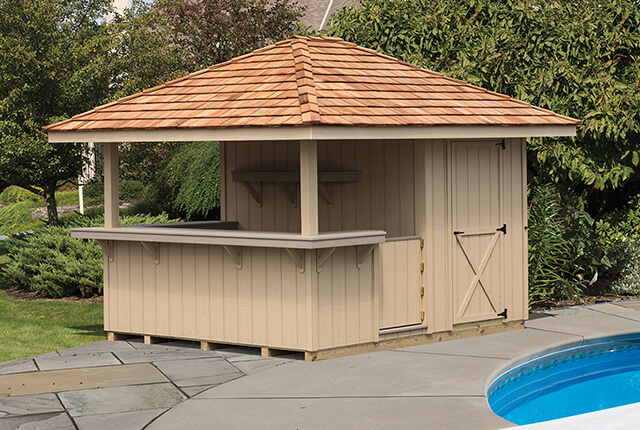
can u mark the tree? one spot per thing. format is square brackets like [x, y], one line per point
[51, 53]
[579, 58]
[154, 43]
[170, 38]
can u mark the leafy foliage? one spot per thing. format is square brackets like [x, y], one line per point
[16, 218]
[15, 194]
[624, 275]
[576, 57]
[188, 184]
[564, 257]
[166, 39]
[50, 56]
[53, 263]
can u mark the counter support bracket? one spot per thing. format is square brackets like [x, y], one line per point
[363, 253]
[291, 195]
[297, 256]
[235, 253]
[255, 193]
[323, 257]
[152, 248]
[324, 191]
[107, 248]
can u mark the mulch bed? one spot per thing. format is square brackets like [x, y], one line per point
[19, 294]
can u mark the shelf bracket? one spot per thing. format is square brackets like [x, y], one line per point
[152, 248]
[255, 193]
[323, 256]
[291, 195]
[363, 253]
[235, 253]
[107, 248]
[297, 256]
[324, 190]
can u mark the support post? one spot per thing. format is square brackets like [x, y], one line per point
[111, 186]
[309, 187]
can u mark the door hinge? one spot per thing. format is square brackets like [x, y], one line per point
[502, 144]
[421, 267]
[421, 291]
[502, 229]
[503, 314]
[458, 232]
[422, 315]
[421, 243]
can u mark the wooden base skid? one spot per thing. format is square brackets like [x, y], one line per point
[412, 340]
[459, 332]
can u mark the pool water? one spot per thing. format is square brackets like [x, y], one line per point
[571, 382]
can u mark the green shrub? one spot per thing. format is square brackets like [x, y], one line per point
[188, 184]
[131, 189]
[565, 253]
[94, 190]
[67, 198]
[624, 274]
[53, 263]
[15, 194]
[16, 218]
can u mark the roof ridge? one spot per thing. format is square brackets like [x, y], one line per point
[305, 81]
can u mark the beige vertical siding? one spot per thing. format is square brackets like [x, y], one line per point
[516, 261]
[383, 199]
[435, 229]
[346, 313]
[197, 292]
[401, 299]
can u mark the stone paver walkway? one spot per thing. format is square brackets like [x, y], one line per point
[130, 385]
[123, 384]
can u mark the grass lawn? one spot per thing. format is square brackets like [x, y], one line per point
[35, 327]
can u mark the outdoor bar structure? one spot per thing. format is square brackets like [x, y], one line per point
[366, 204]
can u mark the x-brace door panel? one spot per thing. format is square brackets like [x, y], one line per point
[478, 230]
[482, 299]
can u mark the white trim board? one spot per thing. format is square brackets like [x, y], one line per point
[313, 133]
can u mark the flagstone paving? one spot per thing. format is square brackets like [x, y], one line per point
[130, 385]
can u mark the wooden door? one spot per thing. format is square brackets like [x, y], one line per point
[477, 230]
[401, 301]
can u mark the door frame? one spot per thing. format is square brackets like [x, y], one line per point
[451, 146]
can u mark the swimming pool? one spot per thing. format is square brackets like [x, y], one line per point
[570, 382]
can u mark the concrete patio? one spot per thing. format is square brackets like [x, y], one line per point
[130, 385]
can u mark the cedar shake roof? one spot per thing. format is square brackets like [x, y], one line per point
[305, 81]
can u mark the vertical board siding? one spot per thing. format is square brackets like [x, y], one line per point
[384, 198]
[203, 300]
[516, 282]
[123, 292]
[197, 292]
[437, 236]
[189, 298]
[401, 300]
[345, 314]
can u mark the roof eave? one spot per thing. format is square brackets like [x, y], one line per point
[314, 132]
